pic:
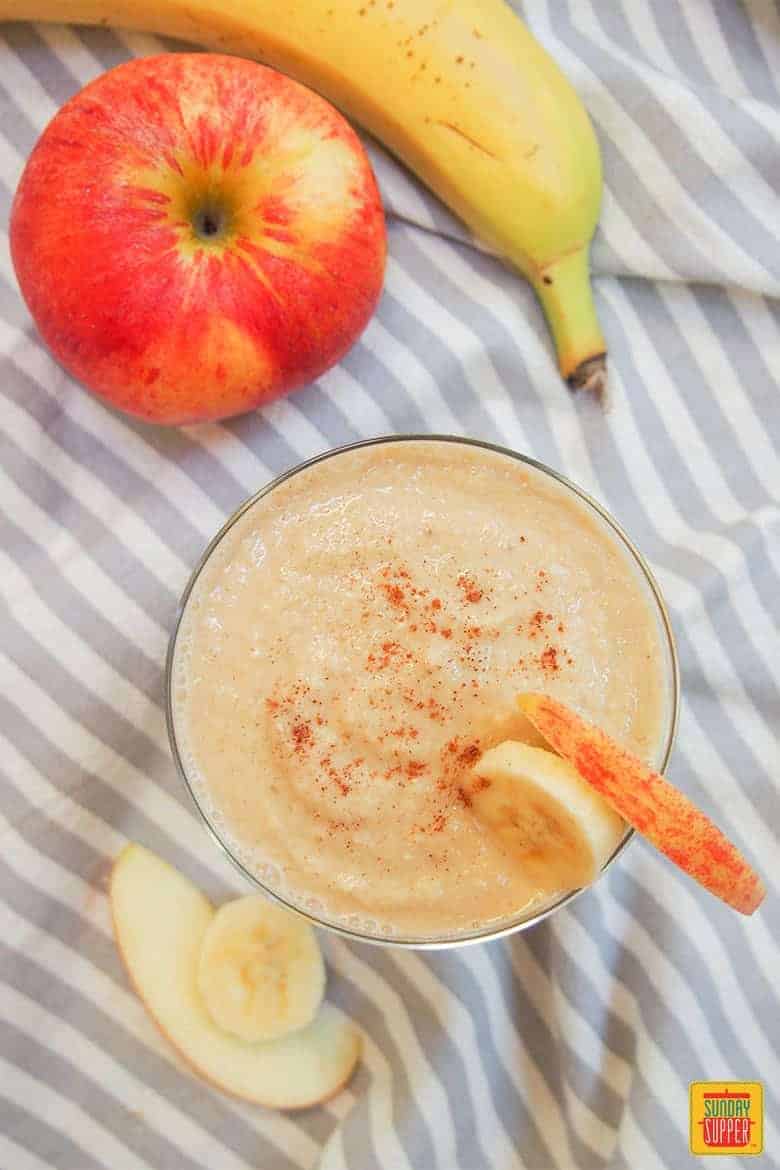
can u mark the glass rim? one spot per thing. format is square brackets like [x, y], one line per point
[488, 933]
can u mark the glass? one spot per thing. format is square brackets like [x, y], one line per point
[535, 914]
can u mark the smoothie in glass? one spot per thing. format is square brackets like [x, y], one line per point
[356, 639]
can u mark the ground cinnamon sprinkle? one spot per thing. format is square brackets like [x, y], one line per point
[336, 775]
[376, 662]
[345, 827]
[434, 710]
[470, 753]
[398, 670]
[457, 758]
[341, 775]
[471, 591]
[400, 732]
[548, 660]
[395, 594]
[302, 736]
[537, 622]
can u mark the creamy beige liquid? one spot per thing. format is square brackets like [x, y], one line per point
[358, 639]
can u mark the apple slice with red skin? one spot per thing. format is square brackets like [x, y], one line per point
[655, 808]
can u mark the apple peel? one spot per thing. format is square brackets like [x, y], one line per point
[653, 806]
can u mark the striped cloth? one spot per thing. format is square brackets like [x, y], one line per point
[571, 1045]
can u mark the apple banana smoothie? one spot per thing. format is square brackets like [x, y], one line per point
[355, 642]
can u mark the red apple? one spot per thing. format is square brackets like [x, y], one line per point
[196, 234]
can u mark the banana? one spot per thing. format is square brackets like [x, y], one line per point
[544, 815]
[260, 972]
[459, 91]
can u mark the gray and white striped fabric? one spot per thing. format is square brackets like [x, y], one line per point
[569, 1046]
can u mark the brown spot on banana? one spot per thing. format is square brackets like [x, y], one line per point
[472, 141]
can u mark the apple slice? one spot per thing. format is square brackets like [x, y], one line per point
[554, 824]
[655, 808]
[160, 920]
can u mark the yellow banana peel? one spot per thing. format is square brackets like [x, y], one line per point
[459, 90]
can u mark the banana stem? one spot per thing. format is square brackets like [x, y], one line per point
[564, 289]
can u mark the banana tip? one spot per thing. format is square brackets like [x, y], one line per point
[591, 376]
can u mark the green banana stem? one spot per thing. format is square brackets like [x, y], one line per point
[564, 289]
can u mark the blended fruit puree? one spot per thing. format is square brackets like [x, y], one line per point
[358, 639]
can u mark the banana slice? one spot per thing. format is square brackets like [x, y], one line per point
[545, 815]
[260, 973]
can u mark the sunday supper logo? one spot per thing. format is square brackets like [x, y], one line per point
[727, 1117]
